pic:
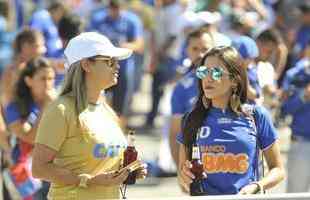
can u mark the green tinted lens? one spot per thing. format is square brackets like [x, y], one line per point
[216, 73]
[202, 72]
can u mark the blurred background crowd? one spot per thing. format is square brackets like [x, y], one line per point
[168, 37]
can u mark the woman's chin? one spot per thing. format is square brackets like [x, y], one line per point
[210, 95]
[113, 82]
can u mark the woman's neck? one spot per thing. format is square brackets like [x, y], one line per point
[221, 102]
[39, 101]
[94, 93]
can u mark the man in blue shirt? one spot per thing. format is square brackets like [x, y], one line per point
[124, 29]
[248, 50]
[296, 86]
[297, 77]
[185, 92]
[46, 21]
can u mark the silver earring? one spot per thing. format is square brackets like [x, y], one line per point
[205, 102]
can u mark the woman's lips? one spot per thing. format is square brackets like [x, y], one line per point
[209, 88]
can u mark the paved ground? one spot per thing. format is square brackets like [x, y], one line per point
[148, 143]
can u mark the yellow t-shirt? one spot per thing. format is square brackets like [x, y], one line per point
[95, 146]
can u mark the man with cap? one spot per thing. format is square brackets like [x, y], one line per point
[125, 29]
[296, 85]
[79, 142]
[248, 50]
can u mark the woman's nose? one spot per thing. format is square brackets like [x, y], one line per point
[209, 77]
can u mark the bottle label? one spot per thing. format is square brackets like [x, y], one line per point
[131, 140]
[195, 153]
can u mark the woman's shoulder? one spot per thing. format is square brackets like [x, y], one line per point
[64, 104]
[11, 105]
[257, 111]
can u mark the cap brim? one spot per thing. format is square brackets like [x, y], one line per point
[120, 53]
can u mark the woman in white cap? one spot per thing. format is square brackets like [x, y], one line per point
[79, 142]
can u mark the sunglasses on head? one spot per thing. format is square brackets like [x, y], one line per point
[215, 72]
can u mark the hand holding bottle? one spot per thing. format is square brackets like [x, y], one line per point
[130, 156]
[192, 173]
[141, 171]
[109, 178]
[139, 168]
[185, 176]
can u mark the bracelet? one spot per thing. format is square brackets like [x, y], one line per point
[84, 178]
[260, 187]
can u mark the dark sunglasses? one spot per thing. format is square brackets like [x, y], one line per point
[216, 72]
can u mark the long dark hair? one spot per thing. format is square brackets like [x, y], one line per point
[23, 97]
[194, 119]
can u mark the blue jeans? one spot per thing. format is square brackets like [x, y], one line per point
[165, 72]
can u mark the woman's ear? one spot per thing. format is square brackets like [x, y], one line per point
[85, 65]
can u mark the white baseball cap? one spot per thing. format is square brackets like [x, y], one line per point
[89, 44]
[207, 17]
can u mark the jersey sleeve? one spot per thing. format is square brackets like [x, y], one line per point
[11, 113]
[180, 136]
[53, 127]
[177, 106]
[266, 131]
[136, 27]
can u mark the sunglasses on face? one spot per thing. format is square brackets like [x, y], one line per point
[112, 62]
[215, 72]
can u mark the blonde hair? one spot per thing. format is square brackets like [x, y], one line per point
[75, 86]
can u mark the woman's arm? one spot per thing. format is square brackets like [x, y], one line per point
[185, 176]
[175, 128]
[276, 171]
[4, 141]
[276, 168]
[44, 168]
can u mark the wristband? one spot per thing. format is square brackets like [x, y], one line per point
[84, 178]
[260, 188]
